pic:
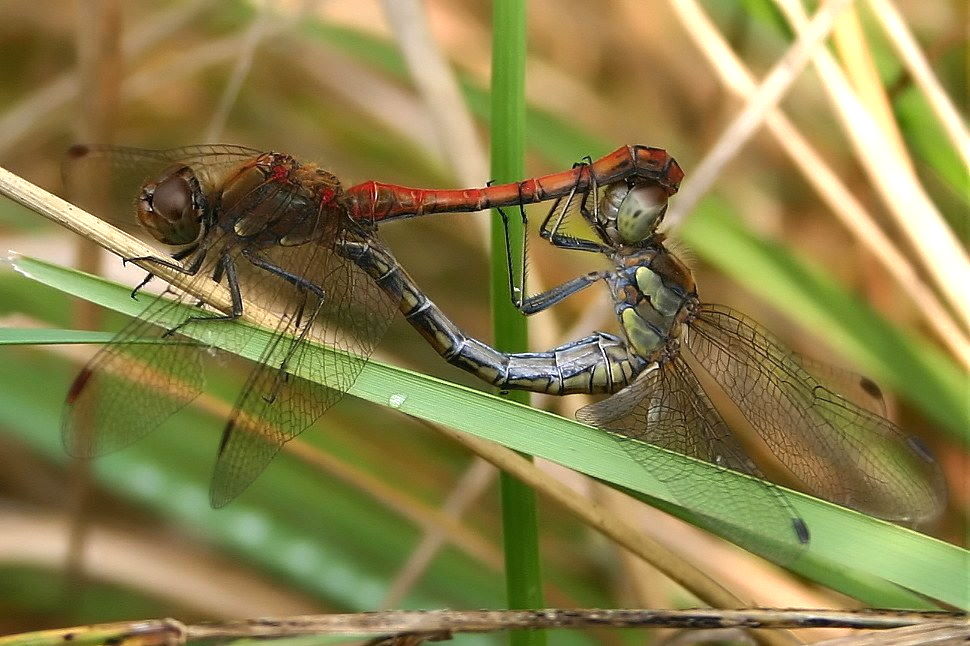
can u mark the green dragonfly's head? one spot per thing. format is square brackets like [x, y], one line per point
[630, 212]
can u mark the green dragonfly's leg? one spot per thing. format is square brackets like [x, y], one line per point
[599, 363]
[544, 300]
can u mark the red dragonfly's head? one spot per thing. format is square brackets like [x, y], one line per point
[171, 207]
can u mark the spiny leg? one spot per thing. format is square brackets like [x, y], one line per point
[235, 294]
[552, 234]
[544, 300]
[285, 274]
[517, 294]
[191, 270]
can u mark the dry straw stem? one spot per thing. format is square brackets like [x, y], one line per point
[131, 555]
[457, 137]
[337, 74]
[431, 520]
[117, 241]
[757, 106]
[251, 41]
[855, 54]
[268, 21]
[455, 621]
[916, 64]
[469, 488]
[454, 126]
[185, 64]
[455, 134]
[938, 249]
[829, 186]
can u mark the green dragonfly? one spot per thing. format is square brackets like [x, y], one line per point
[824, 429]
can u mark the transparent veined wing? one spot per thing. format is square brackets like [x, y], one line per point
[831, 446]
[349, 313]
[667, 407]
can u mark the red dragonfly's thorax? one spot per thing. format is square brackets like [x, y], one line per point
[280, 201]
[269, 200]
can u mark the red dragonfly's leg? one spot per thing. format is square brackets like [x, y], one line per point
[374, 201]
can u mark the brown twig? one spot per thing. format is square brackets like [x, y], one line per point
[169, 632]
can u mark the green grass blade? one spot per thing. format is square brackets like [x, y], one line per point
[858, 555]
[520, 533]
[34, 336]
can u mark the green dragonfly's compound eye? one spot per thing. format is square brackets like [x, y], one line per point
[641, 212]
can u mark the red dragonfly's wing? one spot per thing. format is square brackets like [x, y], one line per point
[349, 313]
[106, 180]
[144, 375]
[133, 384]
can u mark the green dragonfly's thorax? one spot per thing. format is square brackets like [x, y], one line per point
[654, 292]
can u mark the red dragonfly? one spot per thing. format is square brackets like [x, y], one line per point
[267, 227]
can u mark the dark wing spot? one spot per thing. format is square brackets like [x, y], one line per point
[920, 449]
[78, 150]
[870, 387]
[78, 385]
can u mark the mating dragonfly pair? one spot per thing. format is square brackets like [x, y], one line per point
[286, 237]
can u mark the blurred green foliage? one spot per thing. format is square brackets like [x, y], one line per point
[619, 79]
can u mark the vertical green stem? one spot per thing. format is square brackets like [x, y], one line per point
[520, 529]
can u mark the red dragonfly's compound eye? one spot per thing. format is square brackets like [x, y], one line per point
[171, 208]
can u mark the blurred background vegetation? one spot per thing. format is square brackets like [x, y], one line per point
[328, 82]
